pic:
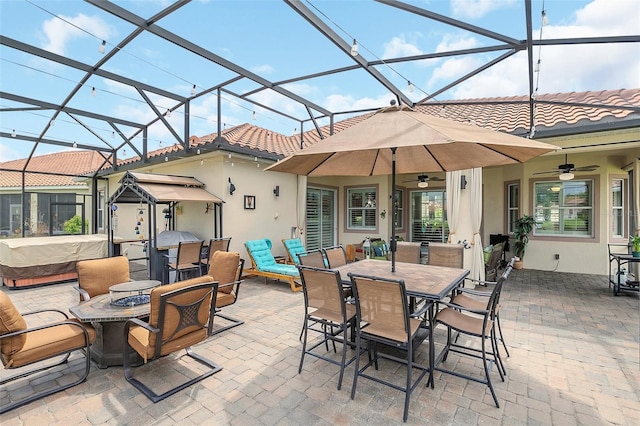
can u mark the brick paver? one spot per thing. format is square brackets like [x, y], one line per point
[574, 360]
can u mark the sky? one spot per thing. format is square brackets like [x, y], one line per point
[271, 40]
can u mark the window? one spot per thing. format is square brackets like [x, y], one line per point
[564, 208]
[101, 203]
[618, 191]
[361, 208]
[513, 206]
[398, 204]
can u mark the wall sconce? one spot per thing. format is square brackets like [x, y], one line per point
[276, 191]
[463, 182]
[232, 187]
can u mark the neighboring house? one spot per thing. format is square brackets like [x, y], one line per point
[53, 193]
[575, 218]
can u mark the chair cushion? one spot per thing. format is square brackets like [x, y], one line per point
[97, 275]
[278, 268]
[260, 252]
[11, 321]
[294, 247]
[224, 299]
[224, 269]
[143, 342]
[48, 342]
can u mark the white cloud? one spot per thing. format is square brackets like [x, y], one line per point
[477, 8]
[58, 33]
[263, 69]
[398, 46]
[564, 68]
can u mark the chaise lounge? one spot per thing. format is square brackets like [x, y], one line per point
[264, 264]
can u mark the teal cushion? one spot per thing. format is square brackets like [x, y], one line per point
[294, 247]
[261, 254]
[280, 268]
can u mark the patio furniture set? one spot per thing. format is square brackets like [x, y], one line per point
[119, 322]
[391, 313]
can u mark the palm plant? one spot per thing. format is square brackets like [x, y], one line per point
[523, 228]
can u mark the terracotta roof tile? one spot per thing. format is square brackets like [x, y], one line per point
[67, 162]
[507, 114]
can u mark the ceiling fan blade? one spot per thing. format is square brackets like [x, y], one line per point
[589, 168]
[548, 172]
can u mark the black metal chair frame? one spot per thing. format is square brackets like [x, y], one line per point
[373, 340]
[330, 330]
[234, 321]
[197, 266]
[312, 254]
[188, 318]
[206, 252]
[486, 293]
[67, 353]
[488, 314]
[326, 251]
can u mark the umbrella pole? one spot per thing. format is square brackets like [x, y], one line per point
[394, 211]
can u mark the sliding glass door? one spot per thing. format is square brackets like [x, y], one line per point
[429, 216]
[321, 218]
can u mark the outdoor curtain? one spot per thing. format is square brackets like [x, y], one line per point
[477, 262]
[301, 209]
[453, 202]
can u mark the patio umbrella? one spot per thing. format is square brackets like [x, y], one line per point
[401, 140]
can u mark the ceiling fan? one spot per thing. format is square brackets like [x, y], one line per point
[423, 180]
[565, 171]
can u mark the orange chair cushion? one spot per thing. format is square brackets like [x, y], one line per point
[97, 275]
[48, 342]
[11, 321]
[224, 269]
[143, 341]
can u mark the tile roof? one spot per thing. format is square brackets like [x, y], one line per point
[67, 162]
[507, 114]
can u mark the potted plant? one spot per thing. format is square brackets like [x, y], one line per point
[634, 240]
[523, 228]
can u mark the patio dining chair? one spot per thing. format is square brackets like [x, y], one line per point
[382, 317]
[326, 313]
[181, 315]
[315, 258]
[473, 323]
[408, 252]
[22, 345]
[335, 256]
[476, 299]
[188, 259]
[215, 244]
[443, 254]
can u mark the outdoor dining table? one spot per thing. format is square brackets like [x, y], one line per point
[432, 283]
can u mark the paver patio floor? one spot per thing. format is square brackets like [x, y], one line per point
[574, 360]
